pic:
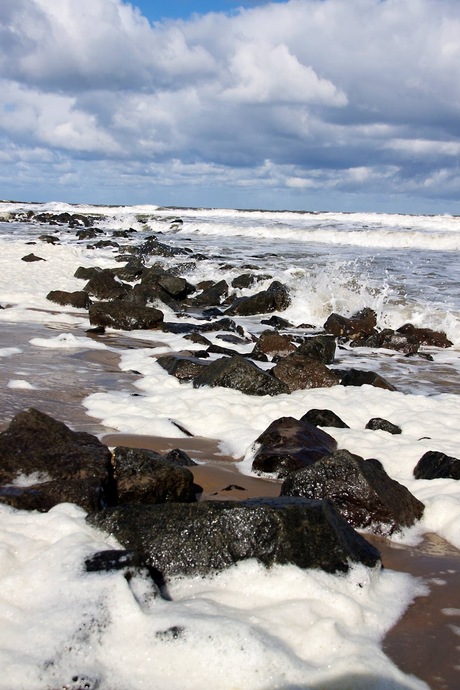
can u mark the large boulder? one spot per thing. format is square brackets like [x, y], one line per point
[43, 458]
[290, 444]
[298, 372]
[126, 316]
[241, 374]
[361, 489]
[143, 476]
[209, 536]
[436, 465]
[275, 298]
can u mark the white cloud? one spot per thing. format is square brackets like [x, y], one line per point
[351, 95]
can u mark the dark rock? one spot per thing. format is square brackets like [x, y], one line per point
[240, 374]
[86, 273]
[275, 298]
[125, 316]
[274, 344]
[87, 492]
[88, 233]
[72, 466]
[436, 465]
[244, 281]
[389, 340]
[324, 418]
[31, 257]
[112, 559]
[320, 347]
[360, 324]
[143, 476]
[277, 322]
[183, 367]
[299, 372]
[49, 239]
[179, 457]
[105, 286]
[132, 270]
[101, 244]
[377, 423]
[175, 286]
[426, 336]
[78, 299]
[362, 491]
[357, 377]
[209, 536]
[152, 246]
[211, 295]
[288, 445]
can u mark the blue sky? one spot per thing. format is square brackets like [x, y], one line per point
[301, 104]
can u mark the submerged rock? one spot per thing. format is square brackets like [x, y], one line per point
[361, 489]
[202, 538]
[377, 423]
[290, 444]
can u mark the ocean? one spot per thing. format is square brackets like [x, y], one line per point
[247, 627]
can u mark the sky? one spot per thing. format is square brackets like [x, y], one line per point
[341, 105]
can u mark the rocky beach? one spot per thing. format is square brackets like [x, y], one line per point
[218, 407]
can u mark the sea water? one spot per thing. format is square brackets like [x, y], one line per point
[247, 627]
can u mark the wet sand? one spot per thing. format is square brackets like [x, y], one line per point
[425, 642]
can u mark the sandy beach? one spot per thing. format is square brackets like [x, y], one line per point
[423, 643]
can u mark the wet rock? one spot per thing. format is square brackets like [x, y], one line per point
[275, 298]
[436, 465]
[125, 316]
[426, 336]
[320, 347]
[360, 324]
[377, 423]
[183, 367]
[131, 271]
[88, 234]
[277, 322]
[324, 418]
[240, 374]
[274, 344]
[209, 536]
[389, 340]
[290, 444]
[300, 372]
[105, 286]
[32, 257]
[87, 272]
[357, 377]
[361, 489]
[112, 559]
[244, 281]
[153, 247]
[213, 294]
[179, 457]
[143, 476]
[173, 285]
[78, 299]
[49, 239]
[56, 463]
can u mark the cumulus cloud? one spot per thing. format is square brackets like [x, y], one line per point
[350, 96]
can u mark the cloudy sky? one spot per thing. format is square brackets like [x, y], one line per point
[300, 104]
